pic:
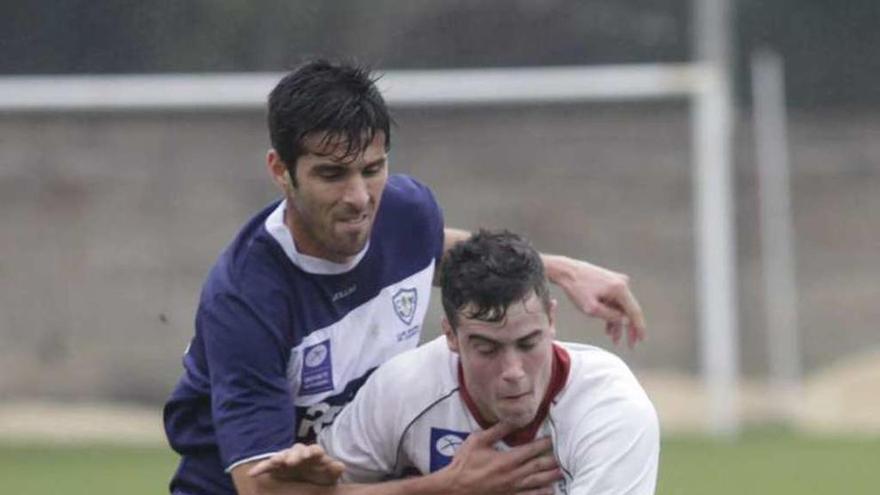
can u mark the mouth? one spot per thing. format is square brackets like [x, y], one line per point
[354, 221]
[515, 397]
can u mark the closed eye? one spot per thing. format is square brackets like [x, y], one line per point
[373, 168]
[330, 172]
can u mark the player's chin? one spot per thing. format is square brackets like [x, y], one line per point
[351, 244]
[517, 419]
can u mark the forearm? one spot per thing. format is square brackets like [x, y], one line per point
[559, 269]
[432, 484]
[452, 236]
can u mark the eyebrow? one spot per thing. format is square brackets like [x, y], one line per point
[489, 340]
[335, 164]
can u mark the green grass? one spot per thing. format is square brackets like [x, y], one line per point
[770, 462]
[101, 469]
[761, 462]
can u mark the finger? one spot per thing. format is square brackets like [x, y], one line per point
[495, 433]
[614, 330]
[540, 480]
[537, 491]
[538, 472]
[634, 334]
[266, 465]
[330, 465]
[604, 309]
[524, 453]
[313, 451]
[336, 468]
[630, 307]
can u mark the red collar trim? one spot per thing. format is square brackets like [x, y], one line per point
[558, 378]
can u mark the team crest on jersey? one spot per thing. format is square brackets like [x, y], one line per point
[405, 301]
[444, 444]
[317, 369]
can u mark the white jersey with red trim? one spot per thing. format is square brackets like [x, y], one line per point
[411, 416]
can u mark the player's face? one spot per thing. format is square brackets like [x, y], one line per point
[507, 365]
[332, 207]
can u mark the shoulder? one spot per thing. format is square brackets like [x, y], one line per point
[607, 427]
[410, 216]
[404, 194]
[405, 187]
[251, 254]
[413, 381]
[426, 370]
[247, 280]
[603, 388]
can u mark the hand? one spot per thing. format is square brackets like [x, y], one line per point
[601, 293]
[478, 468]
[308, 463]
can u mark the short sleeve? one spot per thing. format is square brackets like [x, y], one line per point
[251, 405]
[366, 434]
[618, 450]
[416, 203]
[435, 225]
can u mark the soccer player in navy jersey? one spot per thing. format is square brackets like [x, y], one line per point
[321, 287]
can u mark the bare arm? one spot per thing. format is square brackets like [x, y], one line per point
[596, 291]
[268, 484]
[476, 469]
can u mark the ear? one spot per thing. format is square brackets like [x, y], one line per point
[278, 171]
[551, 315]
[451, 337]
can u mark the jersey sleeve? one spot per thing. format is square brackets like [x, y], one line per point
[422, 210]
[251, 406]
[366, 434]
[619, 453]
[435, 225]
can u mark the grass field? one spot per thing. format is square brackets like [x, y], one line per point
[775, 463]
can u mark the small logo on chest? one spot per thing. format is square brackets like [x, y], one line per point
[405, 302]
[444, 444]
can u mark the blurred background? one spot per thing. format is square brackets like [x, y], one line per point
[110, 219]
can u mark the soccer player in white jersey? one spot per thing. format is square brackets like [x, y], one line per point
[497, 363]
[322, 286]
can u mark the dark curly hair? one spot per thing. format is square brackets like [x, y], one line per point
[322, 96]
[482, 276]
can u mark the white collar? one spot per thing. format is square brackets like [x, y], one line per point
[278, 230]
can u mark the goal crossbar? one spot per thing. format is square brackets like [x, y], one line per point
[403, 88]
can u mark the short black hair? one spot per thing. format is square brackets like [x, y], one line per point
[489, 272]
[322, 96]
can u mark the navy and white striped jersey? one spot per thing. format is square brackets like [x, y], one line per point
[284, 340]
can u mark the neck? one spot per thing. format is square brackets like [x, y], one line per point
[304, 241]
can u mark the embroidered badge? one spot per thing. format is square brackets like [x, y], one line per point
[405, 301]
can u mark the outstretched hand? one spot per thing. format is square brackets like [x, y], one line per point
[307, 463]
[601, 293]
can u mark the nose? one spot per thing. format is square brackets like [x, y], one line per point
[356, 193]
[512, 366]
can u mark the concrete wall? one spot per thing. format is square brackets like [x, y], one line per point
[110, 222]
